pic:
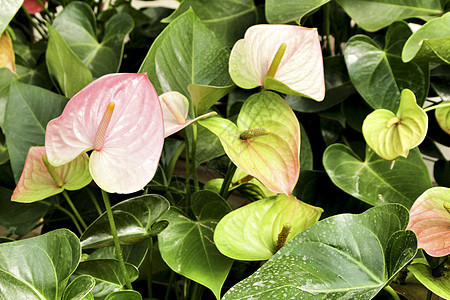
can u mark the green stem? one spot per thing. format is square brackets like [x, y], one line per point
[327, 25]
[429, 295]
[276, 61]
[94, 200]
[227, 180]
[28, 16]
[171, 279]
[74, 209]
[70, 215]
[45, 9]
[149, 268]
[194, 146]
[436, 106]
[112, 225]
[194, 291]
[391, 291]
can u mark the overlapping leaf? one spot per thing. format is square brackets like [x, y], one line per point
[266, 141]
[443, 117]
[80, 288]
[290, 10]
[375, 180]
[341, 257]
[438, 285]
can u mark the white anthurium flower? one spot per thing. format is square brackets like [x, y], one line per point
[175, 109]
[285, 58]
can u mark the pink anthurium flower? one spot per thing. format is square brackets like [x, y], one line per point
[175, 109]
[37, 182]
[119, 117]
[33, 6]
[285, 58]
[430, 221]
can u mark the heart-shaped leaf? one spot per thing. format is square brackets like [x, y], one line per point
[124, 295]
[80, 288]
[133, 254]
[288, 60]
[342, 257]
[391, 136]
[387, 11]
[39, 267]
[76, 24]
[265, 120]
[134, 219]
[28, 111]
[380, 74]
[201, 62]
[228, 19]
[9, 9]
[430, 221]
[64, 66]
[6, 52]
[202, 261]
[107, 274]
[290, 10]
[375, 180]
[438, 285]
[36, 183]
[443, 117]
[258, 230]
[431, 42]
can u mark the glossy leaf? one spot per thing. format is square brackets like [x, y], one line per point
[9, 9]
[265, 120]
[134, 219]
[291, 10]
[201, 261]
[64, 66]
[36, 183]
[6, 77]
[431, 42]
[443, 117]
[201, 62]
[124, 295]
[391, 136]
[300, 69]
[39, 267]
[77, 25]
[107, 274]
[80, 288]
[28, 111]
[258, 230]
[438, 285]
[375, 180]
[387, 11]
[430, 221]
[207, 147]
[126, 154]
[341, 257]
[133, 254]
[6, 52]
[228, 19]
[379, 75]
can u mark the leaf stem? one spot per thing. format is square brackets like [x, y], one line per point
[28, 16]
[74, 209]
[429, 295]
[327, 26]
[227, 180]
[391, 291]
[436, 106]
[171, 279]
[94, 200]
[112, 225]
[194, 146]
[51, 16]
[149, 268]
[70, 215]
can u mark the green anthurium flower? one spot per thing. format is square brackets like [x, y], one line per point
[258, 230]
[40, 180]
[392, 135]
[443, 117]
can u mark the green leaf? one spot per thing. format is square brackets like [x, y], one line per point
[133, 254]
[228, 19]
[265, 120]
[391, 136]
[64, 66]
[290, 10]
[107, 274]
[431, 42]
[373, 15]
[39, 267]
[79, 288]
[258, 230]
[134, 219]
[124, 295]
[208, 145]
[6, 77]
[187, 57]
[375, 180]
[306, 154]
[202, 262]
[76, 24]
[443, 117]
[438, 285]
[341, 257]
[28, 111]
[9, 9]
[379, 75]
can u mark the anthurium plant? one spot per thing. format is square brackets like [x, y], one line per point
[232, 149]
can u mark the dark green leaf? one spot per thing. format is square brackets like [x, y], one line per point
[306, 155]
[132, 254]
[290, 10]
[79, 288]
[208, 145]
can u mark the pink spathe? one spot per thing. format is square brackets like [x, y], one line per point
[132, 144]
